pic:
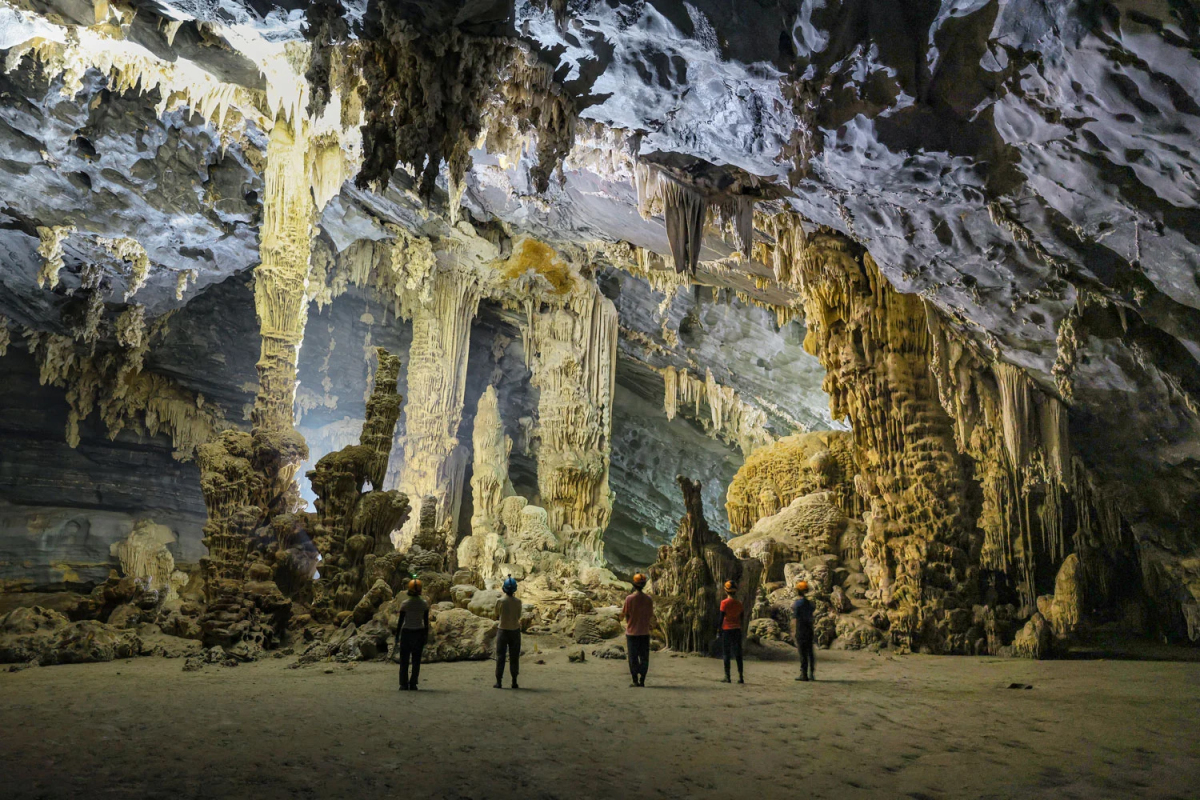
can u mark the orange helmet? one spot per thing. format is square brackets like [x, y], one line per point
[730, 586]
[801, 586]
[639, 580]
[414, 587]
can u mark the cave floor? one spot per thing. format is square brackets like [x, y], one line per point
[873, 726]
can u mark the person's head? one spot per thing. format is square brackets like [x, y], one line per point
[731, 588]
[414, 587]
[801, 588]
[510, 585]
[639, 582]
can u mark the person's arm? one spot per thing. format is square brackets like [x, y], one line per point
[720, 621]
[400, 620]
[427, 628]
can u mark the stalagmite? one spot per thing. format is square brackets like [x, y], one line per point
[687, 578]
[351, 528]
[573, 358]
[437, 374]
[144, 555]
[489, 473]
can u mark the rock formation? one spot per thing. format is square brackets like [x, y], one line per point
[437, 372]
[688, 577]
[573, 361]
[774, 476]
[352, 529]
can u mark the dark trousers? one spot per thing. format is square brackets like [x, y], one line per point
[638, 648]
[731, 647]
[508, 642]
[412, 642]
[808, 659]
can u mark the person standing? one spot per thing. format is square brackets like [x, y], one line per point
[730, 623]
[802, 610]
[412, 632]
[508, 638]
[637, 614]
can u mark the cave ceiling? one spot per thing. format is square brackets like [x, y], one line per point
[1017, 164]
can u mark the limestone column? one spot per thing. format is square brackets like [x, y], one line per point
[573, 358]
[434, 464]
[874, 343]
[281, 279]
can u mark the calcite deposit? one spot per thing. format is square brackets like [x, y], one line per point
[300, 302]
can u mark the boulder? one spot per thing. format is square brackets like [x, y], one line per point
[483, 603]
[461, 594]
[459, 635]
[812, 525]
[612, 650]
[1035, 640]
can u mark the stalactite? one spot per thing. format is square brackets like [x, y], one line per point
[115, 383]
[737, 214]
[573, 358]
[1017, 436]
[281, 279]
[437, 373]
[686, 210]
[51, 251]
[773, 476]
[132, 253]
[731, 419]
[431, 95]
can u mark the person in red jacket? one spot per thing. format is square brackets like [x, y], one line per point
[730, 625]
[638, 614]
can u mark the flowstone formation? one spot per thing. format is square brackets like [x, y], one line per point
[437, 373]
[574, 361]
[792, 467]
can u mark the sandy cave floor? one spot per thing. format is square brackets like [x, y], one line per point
[872, 726]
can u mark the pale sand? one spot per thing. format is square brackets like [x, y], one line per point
[872, 726]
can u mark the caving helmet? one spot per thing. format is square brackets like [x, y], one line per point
[730, 586]
[801, 586]
[414, 587]
[510, 585]
[639, 580]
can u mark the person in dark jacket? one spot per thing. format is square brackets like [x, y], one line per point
[412, 632]
[730, 626]
[802, 610]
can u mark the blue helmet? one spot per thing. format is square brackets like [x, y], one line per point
[509, 585]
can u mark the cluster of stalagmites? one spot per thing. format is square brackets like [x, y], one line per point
[972, 504]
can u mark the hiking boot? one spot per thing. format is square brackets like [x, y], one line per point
[726, 680]
[801, 677]
[497, 686]
[514, 685]
[740, 679]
